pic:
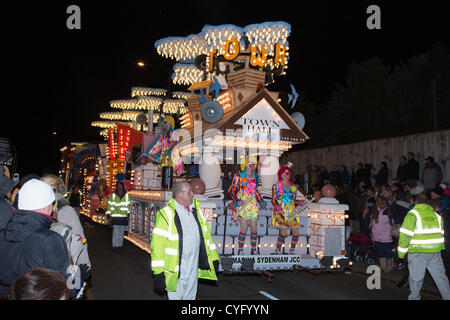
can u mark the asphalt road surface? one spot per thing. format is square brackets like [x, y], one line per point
[125, 274]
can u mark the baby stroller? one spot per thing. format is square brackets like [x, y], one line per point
[362, 247]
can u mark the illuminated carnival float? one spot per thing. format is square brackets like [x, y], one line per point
[83, 165]
[226, 116]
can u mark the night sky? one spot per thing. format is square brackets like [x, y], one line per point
[59, 80]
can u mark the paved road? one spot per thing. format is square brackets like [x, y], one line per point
[126, 274]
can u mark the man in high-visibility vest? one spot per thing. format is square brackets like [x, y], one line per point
[182, 246]
[118, 209]
[422, 237]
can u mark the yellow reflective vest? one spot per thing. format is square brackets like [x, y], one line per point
[422, 231]
[118, 207]
[166, 246]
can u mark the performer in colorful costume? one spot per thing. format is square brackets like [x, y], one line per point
[245, 195]
[284, 194]
[163, 149]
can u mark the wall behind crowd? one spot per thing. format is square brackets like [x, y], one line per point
[435, 144]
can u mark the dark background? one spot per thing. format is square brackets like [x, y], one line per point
[59, 80]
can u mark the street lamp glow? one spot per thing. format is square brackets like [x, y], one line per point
[141, 64]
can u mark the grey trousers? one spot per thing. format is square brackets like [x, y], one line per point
[188, 282]
[117, 236]
[418, 263]
[186, 290]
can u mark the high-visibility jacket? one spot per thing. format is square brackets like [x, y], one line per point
[422, 231]
[166, 245]
[118, 207]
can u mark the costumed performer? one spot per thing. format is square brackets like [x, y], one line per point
[104, 194]
[245, 195]
[167, 154]
[284, 215]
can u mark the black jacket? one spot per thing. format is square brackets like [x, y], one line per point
[75, 199]
[398, 213]
[5, 213]
[6, 185]
[402, 172]
[27, 243]
[413, 169]
[382, 177]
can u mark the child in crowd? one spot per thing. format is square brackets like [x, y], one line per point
[380, 226]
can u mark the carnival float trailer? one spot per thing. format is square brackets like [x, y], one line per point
[227, 111]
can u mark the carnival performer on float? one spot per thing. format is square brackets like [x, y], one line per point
[284, 215]
[163, 149]
[245, 195]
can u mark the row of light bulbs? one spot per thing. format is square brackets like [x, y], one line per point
[148, 194]
[139, 103]
[173, 105]
[338, 216]
[215, 37]
[185, 151]
[226, 101]
[120, 115]
[241, 142]
[141, 244]
[145, 91]
[186, 74]
[268, 34]
[105, 124]
[181, 48]
[181, 95]
[185, 120]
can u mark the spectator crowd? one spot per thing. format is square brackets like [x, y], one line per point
[44, 249]
[42, 242]
[378, 205]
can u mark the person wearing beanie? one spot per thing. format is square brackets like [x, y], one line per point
[27, 242]
[397, 186]
[438, 193]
